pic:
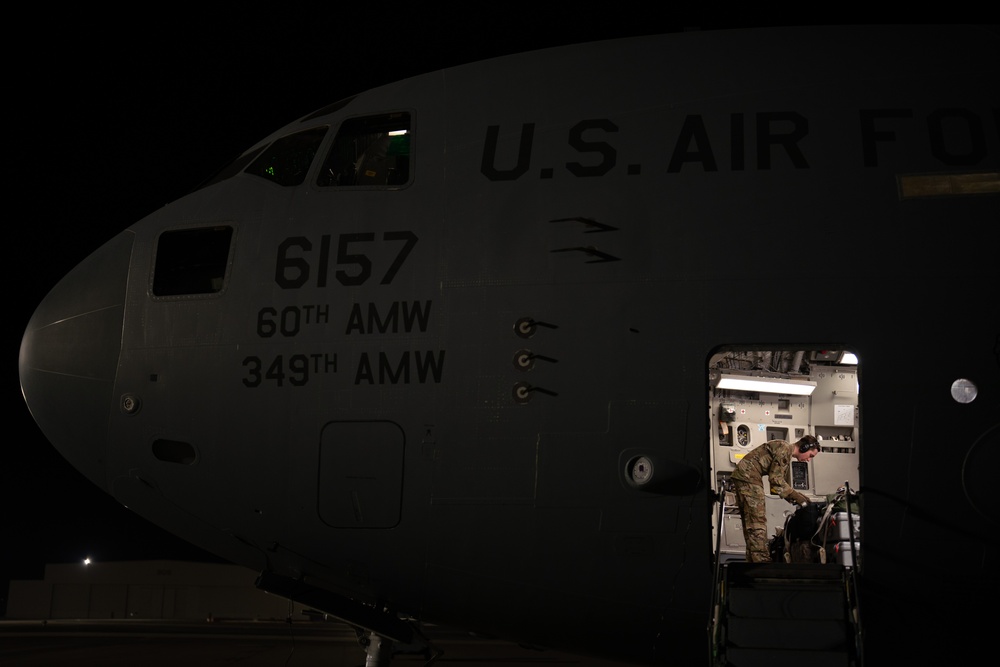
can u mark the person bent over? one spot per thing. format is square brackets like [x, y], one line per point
[772, 459]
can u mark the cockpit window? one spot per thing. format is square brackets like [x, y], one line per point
[287, 160]
[233, 168]
[369, 151]
[191, 261]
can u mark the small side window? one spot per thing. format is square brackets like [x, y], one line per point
[191, 261]
[174, 451]
[286, 161]
[369, 151]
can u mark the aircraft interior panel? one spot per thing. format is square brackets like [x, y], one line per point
[835, 424]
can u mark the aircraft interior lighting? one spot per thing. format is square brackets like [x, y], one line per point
[768, 385]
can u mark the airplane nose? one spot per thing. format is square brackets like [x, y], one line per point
[69, 356]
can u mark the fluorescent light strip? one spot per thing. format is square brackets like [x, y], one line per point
[797, 387]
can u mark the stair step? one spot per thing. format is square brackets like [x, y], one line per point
[778, 603]
[741, 657]
[786, 614]
[790, 634]
[748, 574]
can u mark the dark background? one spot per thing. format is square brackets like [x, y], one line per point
[115, 115]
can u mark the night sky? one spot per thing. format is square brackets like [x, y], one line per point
[114, 116]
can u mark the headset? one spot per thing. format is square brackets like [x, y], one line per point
[807, 443]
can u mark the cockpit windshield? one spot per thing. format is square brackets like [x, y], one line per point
[369, 151]
[287, 160]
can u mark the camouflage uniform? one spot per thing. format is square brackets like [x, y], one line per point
[771, 459]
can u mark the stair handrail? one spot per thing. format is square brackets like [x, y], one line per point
[852, 583]
[716, 602]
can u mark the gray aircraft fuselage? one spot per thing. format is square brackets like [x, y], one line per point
[405, 351]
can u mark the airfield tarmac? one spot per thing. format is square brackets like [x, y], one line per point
[82, 643]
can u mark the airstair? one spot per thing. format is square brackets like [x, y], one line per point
[773, 614]
[787, 613]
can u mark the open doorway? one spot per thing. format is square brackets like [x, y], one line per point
[757, 395]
